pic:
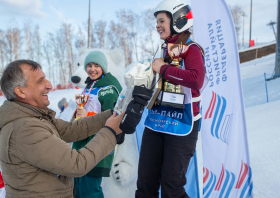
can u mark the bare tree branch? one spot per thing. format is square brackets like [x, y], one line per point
[236, 12]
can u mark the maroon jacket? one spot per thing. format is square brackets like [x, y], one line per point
[192, 77]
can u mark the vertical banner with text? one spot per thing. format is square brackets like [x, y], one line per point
[226, 171]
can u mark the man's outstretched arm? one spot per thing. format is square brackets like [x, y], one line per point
[82, 128]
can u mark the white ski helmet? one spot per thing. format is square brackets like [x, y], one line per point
[181, 14]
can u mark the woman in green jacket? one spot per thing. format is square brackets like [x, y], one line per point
[102, 90]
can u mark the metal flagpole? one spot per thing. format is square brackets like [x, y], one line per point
[88, 24]
[243, 14]
[277, 61]
[250, 22]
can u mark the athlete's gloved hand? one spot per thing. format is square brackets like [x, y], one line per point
[141, 96]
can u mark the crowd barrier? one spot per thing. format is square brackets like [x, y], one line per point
[261, 89]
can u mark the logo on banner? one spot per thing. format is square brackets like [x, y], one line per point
[244, 181]
[222, 188]
[225, 186]
[227, 183]
[221, 123]
[209, 180]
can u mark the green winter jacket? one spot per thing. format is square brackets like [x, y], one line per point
[102, 97]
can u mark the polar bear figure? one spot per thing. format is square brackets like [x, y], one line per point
[115, 61]
[123, 175]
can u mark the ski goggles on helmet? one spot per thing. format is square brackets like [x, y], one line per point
[182, 16]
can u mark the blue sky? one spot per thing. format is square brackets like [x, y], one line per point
[49, 14]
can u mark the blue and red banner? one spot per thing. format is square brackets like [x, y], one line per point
[227, 171]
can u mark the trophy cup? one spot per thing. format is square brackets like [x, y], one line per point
[81, 100]
[175, 51]
[172, 95]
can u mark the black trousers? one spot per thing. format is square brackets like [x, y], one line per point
[164, 160]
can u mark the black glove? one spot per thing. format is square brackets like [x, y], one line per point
[120, 138]
[134, 110]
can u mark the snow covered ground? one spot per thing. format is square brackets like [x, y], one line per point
[263, 135]
[253, 82]
[257, 67]
[263, 129]
[262, 120]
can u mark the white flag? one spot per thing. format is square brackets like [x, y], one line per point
[227, 171]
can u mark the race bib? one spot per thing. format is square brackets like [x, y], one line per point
[170, 120]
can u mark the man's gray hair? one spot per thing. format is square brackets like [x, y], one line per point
[14, 77]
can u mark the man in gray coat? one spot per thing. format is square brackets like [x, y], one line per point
[35, 158]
